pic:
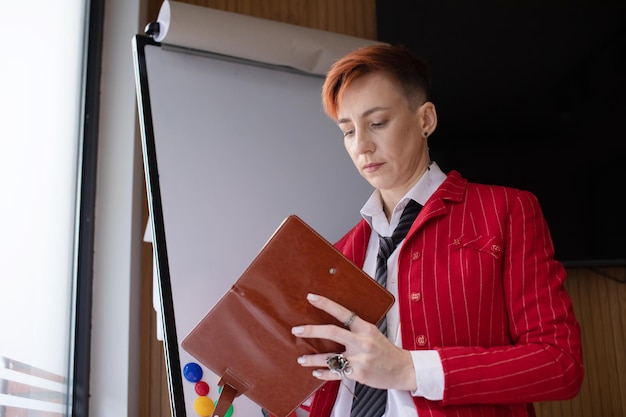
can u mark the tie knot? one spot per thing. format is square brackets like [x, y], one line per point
[407, 218]
[388, 243]
[386, 246]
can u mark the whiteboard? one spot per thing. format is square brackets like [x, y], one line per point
[231, 148]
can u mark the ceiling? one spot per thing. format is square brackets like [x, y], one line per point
[520, 66]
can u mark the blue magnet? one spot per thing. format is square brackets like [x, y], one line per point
[192, 372]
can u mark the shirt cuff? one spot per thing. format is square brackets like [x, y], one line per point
[428, 374]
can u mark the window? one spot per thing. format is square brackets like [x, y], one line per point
[42, 77]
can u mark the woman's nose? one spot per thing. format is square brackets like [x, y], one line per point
[362, 142]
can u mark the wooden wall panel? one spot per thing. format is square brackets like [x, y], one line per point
[349, 17]
[599, 295]
[153, 390]
[599, 298]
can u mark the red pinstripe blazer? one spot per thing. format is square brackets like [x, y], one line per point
[478, 283]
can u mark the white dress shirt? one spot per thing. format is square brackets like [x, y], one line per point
[428, 368]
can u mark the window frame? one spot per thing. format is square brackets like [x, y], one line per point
[79, 391]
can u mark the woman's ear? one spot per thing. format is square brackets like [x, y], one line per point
[429, 118]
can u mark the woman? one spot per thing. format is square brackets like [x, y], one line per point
[482, 325]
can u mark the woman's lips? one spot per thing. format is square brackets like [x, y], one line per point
[372, 167]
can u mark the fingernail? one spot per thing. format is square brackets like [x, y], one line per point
[312, 297]
[297, 330]
[316, 374]
[301, 360]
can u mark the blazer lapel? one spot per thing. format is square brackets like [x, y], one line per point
[451, 191]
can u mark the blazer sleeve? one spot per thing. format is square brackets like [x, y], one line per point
[543, 360]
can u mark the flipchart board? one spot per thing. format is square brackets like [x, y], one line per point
[231, 147]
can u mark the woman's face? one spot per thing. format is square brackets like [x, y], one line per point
[384, 137]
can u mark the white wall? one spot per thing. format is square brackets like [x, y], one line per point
[118, 228]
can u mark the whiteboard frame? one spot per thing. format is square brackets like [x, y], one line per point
[157, 226]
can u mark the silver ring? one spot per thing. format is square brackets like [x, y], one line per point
[350, 320]
[338, 364]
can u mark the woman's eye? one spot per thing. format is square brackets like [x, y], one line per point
[347, 133]
[378, 124]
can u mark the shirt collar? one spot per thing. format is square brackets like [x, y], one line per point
[372, 210]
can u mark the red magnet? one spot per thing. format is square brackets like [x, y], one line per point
[202, 388]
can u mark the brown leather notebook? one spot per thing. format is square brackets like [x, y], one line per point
[246, 340]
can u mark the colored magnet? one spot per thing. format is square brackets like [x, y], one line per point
[203, 406]
[192, 372]
[202, 388]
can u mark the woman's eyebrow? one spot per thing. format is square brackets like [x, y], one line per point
[365, 114]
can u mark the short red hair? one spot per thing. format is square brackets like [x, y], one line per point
[406, 69]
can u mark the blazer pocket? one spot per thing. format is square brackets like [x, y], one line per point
[491, 245]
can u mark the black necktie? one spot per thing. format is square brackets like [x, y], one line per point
[368, 401]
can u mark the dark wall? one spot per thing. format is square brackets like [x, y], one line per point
[531, 95]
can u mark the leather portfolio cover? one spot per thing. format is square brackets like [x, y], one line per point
[246, 340]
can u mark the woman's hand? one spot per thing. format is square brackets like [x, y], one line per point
[373, 359]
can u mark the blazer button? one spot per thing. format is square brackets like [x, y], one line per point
[416, 296]
[421, 340]
[415, 255]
